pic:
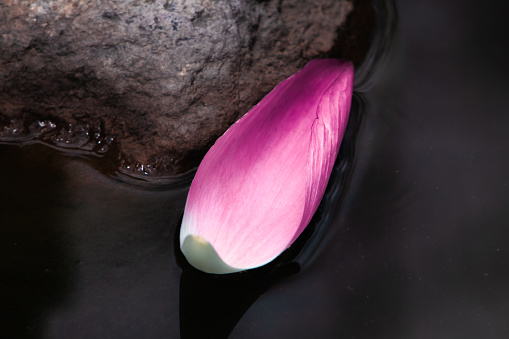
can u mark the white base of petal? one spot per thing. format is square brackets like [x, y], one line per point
[200, 254]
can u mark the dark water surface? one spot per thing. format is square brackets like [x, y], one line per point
[415, 246]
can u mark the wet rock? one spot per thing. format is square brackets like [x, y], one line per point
[164, 78]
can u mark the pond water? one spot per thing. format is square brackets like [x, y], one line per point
[410, 243]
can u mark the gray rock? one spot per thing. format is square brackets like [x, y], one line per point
[163, 78]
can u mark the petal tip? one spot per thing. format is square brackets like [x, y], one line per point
[202, 256]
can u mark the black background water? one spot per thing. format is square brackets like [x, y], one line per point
[417, 247]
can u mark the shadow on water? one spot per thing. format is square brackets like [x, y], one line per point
[211, 305]
[385, 14]
[81, 255]
[36, 267]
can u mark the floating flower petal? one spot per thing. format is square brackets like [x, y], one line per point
[259, 185]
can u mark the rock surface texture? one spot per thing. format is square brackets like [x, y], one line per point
[163, 78]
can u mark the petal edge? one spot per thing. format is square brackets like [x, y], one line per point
[202, 255]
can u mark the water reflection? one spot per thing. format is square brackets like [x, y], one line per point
[37, 266]
[211, 305]
[82, 255]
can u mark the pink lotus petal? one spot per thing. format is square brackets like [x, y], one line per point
[258, 187]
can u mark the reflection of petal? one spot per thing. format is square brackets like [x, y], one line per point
[259, 185]
[211, 306]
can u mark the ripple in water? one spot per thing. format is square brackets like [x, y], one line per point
[91, 143]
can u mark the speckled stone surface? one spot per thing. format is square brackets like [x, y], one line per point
[164, 78]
